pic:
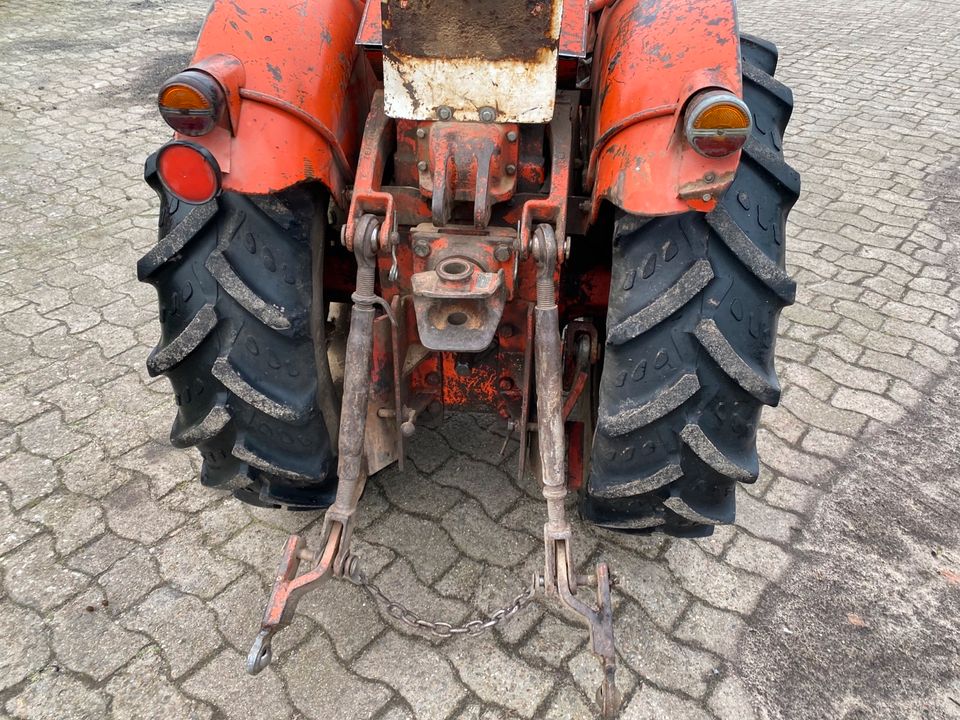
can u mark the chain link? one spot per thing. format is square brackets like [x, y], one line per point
[438, 628]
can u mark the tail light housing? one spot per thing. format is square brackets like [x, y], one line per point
[189, 172]
[718, 124]
[192, 103]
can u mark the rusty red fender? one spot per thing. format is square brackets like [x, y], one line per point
[651, 57]
[298, 91]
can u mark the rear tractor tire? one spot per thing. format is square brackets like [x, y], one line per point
[236, 280]
[691, 328]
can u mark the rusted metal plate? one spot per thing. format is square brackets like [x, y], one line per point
[463, 56]
[574, 33]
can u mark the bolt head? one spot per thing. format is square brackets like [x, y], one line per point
[502, 253]
[512, 136]
[421, 133]
[444, 113]
[433, 378]
[488, 114]
[422, 166]
[707, 197]
[710, 177]
[505, 384]
[511, 169]
[421, 249]
[507, 331]
[462, 368]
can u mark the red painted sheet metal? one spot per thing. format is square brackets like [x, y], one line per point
[651, 57]
[305, 93]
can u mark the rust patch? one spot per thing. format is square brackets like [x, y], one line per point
[488, 29]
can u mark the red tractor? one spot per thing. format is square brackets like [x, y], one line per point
[569, 213]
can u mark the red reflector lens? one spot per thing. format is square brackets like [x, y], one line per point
[189, 172]
[718, 146]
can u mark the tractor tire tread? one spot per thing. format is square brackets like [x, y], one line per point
[234, 282]
[689, 358]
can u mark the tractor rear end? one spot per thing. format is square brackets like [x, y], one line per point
[567, 213]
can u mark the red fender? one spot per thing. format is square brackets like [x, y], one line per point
[296, 111]
[651, 57]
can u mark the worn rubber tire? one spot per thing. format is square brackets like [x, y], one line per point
[234, 282]
[691, 328]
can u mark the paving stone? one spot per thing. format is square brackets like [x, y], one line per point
[480, 538]
[712, 581]
[88, 472]
[489, 486]
[428, 450]
[99, 555]
[88, 639]
[191, 567]
[183, 627]
[33, 576]
[133, 513]
[27, 477]
[499, 678]
[413, 492]
[75, 400]
[461, 580]
[764, 521]
[224, 684]
[420, 674]
[731, 701]
[259, 546]
[788, 461]
[318, 685]
[656, 657]
[551, 643]
[651, 585]
[56, 695]
[164, 465]
[869, 404]
[653, 704]
[72, 519]
[712, 629]
[568, 704]
[130, 579]
[218, 522]
[422, 541]
[141, 692]
[26, 644]
[49, 437]
[792, 496]
[347, 613]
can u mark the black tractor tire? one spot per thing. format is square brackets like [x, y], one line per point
[691, 327]
[236, 281]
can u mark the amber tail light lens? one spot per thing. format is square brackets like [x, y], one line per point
[191, 103]
[189, 172]
[718, 124]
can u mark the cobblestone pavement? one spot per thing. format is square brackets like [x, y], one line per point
[128, 591]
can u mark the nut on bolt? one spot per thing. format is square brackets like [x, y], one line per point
[487, 114]
[422, 166]
[421, 248]
[444, 112]
[512, 136]
[502, 253]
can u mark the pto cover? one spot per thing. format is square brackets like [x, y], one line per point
[452, 59]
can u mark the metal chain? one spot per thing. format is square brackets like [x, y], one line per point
[438, 628]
